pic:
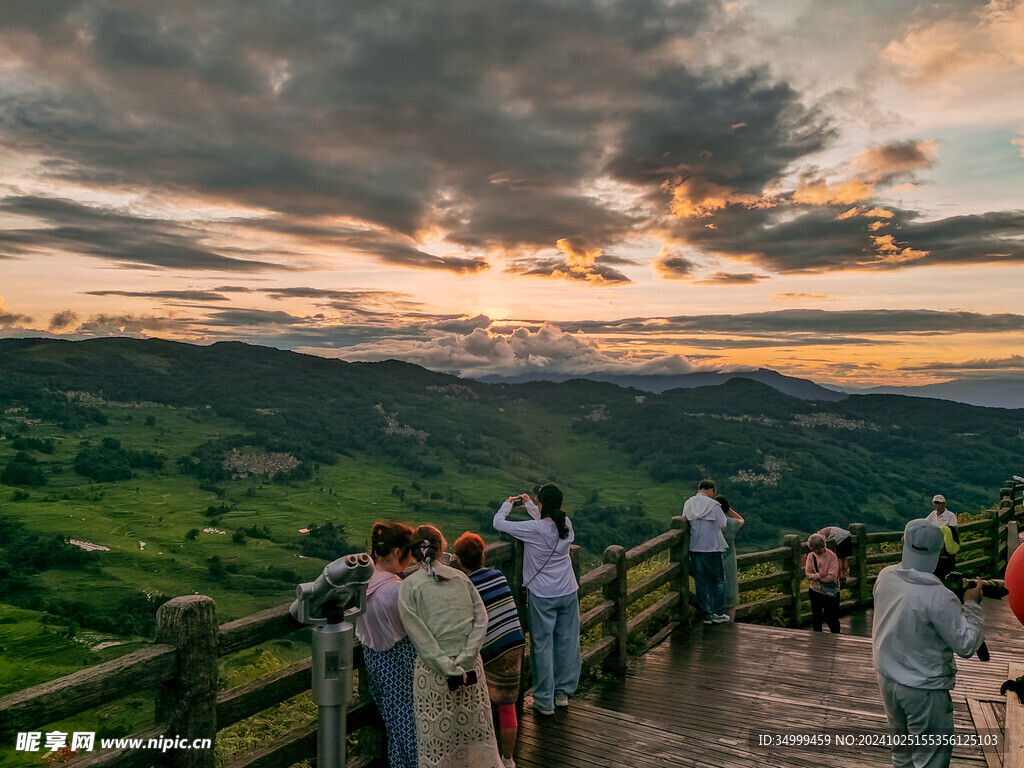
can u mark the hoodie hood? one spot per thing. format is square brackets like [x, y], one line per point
[912, 576]
[699, 507]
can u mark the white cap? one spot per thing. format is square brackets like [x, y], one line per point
[922, 543]
[939, 497]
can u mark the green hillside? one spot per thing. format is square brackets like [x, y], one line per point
[196, 468]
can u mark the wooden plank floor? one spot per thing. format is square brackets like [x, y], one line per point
[703, 696]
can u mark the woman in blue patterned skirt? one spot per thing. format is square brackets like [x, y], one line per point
[389, 655]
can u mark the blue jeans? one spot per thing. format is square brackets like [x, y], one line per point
[709, 580]
[554, 646]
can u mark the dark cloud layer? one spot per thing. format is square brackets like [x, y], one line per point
[107, 234]
[491, 126]
[185, 295]
[887, 322]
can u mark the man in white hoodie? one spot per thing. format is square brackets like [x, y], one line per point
[706, 546]
[918, 625]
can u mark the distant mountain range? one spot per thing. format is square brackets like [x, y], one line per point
[803, 389]
[988, 393]
[791, 454]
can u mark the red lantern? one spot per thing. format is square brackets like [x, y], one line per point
[1015, 583]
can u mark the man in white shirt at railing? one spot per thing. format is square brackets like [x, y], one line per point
[707, 543]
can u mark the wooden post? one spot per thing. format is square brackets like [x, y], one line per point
[1012, 539]
[862, 595]
[997, 542]
[615, 625]
[188, 704]
[517, 578]
[1013, 735]
[574, 559]
[521, 597]
[796, 570]
[680, 553]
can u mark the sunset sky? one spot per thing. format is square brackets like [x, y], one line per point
[834, 190]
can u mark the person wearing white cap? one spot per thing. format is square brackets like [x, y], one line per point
[918, 626]
[940, 517]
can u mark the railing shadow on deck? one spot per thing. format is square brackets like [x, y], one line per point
[183, 663]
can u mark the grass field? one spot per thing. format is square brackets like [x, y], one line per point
[144, 521]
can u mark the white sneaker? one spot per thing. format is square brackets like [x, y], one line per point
[508, 762]
[561, 700]
[721, 618]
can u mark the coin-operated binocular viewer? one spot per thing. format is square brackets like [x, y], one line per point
[329, 604]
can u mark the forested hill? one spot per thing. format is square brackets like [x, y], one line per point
[787, 464]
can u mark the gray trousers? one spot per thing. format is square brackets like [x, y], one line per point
[913, 711]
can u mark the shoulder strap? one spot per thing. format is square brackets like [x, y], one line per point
[548, 560]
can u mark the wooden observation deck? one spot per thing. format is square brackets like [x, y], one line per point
[702, 697]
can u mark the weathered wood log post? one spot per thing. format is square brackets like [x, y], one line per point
[997, 542]
[517, 567]
[796, 571]
[680, 553]
[188, 704]
[1012, 539]
[615, 625]
[1005, 518]
[862, 594]
[1008, 493]
[518, 548]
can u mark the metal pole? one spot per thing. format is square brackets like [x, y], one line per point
[332, 687]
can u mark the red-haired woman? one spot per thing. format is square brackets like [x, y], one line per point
[502, 651]
[389, 655]
[447, 622]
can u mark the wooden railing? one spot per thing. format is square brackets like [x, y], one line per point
[183, 663]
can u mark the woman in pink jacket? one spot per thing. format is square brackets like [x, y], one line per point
[822, 570]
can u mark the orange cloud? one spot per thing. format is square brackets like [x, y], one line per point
[696, 198]
[881, 163]
[820, 192]
[890, 252]
[990, 39]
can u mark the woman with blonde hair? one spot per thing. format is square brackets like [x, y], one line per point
[447, 622]
[388, 653]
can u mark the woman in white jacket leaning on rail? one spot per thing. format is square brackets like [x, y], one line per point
[553, 604]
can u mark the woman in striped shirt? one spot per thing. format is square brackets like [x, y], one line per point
[502, 651]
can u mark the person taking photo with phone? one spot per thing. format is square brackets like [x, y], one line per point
[553, 606]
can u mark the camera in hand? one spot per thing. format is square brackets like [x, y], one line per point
[457, 682]
[517, 501]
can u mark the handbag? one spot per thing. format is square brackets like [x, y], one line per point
[828, 588]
